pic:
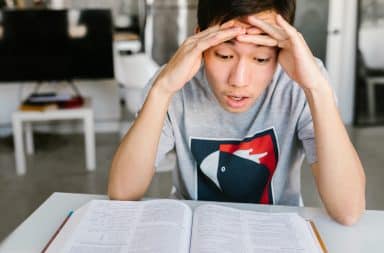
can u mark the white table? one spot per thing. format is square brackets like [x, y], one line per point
[83, 113]
[32, 235]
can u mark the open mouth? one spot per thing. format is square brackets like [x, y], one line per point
[236, 101]
[236, 98]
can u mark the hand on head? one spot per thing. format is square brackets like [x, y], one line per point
[263, 29]
[294, 55]
[187, 60]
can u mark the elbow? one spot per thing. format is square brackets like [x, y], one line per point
[128, 186]
[353, 206]
[349, 219]
[350, 215]
[123, 196]
[115, 193]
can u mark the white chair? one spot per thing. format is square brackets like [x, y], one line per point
[133, 72]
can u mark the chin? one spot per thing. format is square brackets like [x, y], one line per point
[235, 110]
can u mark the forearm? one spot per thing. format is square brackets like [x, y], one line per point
[339, 173]
[133, 164]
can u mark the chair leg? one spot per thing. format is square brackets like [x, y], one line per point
[89, 133]
[371, 100]
[29, 138]
[17, 128]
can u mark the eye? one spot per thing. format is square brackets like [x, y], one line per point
[224, 56]
[262, 60]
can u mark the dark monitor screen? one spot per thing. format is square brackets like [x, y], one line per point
[46, 45]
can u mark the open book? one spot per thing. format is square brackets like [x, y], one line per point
[167, 226]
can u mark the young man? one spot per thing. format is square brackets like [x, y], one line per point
[241, 102]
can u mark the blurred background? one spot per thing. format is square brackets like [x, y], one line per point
[110, 50]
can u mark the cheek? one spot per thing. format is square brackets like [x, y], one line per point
[216, 71]
[262, 79]
[267, 73]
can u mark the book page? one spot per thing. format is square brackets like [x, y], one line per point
[124, 226]
[217, 229]
[225, 230]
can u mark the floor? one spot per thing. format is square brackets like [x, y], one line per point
[61, 168]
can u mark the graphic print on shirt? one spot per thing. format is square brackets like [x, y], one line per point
[236, 170]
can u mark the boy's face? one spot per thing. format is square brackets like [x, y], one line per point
[239, 72]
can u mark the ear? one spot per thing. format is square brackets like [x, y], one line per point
[197, 29]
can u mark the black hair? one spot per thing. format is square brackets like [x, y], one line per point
[211, 12]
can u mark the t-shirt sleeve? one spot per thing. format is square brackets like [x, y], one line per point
[167, 141]
[306, 134]
[305, 129]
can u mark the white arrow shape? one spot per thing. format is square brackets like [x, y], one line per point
[246, 154]
[209, 167]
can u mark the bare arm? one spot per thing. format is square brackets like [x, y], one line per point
[339, 174]
[132, 167]
[133, 164]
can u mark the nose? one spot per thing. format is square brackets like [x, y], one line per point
[240, 74]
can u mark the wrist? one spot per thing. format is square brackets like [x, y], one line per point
[160, 93]
[161, 87]
[321, 99]
[321, 90]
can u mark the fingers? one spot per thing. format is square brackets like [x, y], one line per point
[274, 31]
[260, 40]
[294, 36]
[205, 32]
[284, 33]
[288, 29]
[261, 33]
[213, 29]
[220, 37]
[228, 24]
[254, 31]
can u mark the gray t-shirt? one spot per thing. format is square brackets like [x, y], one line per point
[254, 156]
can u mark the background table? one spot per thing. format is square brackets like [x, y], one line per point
[84, 113]
[31, 236]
